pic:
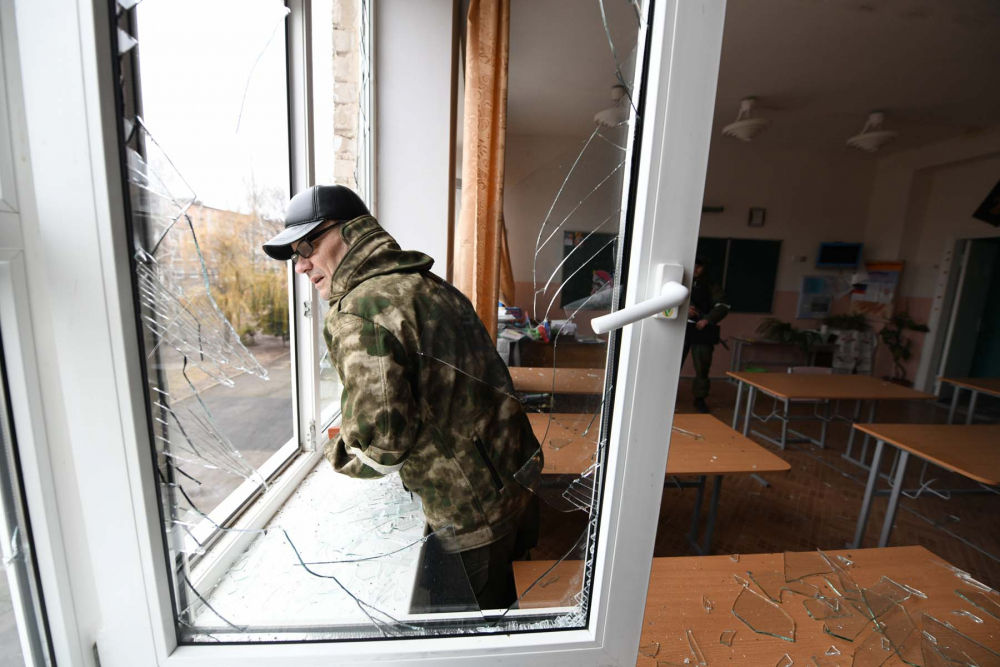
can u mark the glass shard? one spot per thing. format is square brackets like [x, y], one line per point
[822, 661]
[800, 564]
[649, 650]
[833, 650]
[969, 615]
[726, 638]
[773, 583]
[763, 616]
[784, 661]
[735, 558]
[956, 646]
[847, 624]
[707, 604]
[822, 608]
[847, 562]
[981, 600]
[695, 649]
[870, 653]
[126, 42]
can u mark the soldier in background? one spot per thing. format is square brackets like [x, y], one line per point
[425, 393]
[707, 308]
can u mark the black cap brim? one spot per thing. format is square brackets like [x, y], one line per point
[280, 247]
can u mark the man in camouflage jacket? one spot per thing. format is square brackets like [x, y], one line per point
[706, 310]
[425, 393]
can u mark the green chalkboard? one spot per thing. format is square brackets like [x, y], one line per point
[747, 269]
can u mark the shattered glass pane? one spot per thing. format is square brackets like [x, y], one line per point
[784, 661]
[726, 638]
[699, 657]
[763, 616]
[821, 608]
[347, 557]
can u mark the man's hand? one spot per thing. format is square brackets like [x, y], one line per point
[702, 324]
[692, 311]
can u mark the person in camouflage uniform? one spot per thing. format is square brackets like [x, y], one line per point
[425, 394]
[706, 310]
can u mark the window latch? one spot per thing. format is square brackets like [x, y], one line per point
[307, 309]
[671, 294]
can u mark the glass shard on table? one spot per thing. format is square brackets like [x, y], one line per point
[773, 583]
[871, 653]
[707, 604]
[956, 646]
[799, 564]
[763, 616]
[649, 650]
[981, 600]
[784, 661]
[726, 638]
[822, 608]
[833, 650]
[821, 661]
[695, 649]
[969, 615]
[846, 625]
[735, 558]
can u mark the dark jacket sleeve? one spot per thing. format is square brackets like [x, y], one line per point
[378, 413]
[720, 308]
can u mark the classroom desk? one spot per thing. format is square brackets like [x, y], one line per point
[976, 386]
[720, 451]
[558, 380]
[970, 451]
[741, 342]
[789, 387]
[676, 587]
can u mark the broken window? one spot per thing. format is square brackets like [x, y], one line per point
[348, 558]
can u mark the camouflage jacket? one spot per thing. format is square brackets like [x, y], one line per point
[425, 392]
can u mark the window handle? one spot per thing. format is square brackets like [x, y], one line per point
[664, 306]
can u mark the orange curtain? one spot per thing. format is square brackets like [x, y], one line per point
[482, 261]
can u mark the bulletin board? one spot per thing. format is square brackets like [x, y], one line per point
[876, 297]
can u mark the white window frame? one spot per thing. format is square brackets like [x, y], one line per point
[66, 57]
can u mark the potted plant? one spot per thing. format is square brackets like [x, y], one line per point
[892, 335]
[774, 329]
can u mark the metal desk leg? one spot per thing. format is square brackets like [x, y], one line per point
[823, 425]
[972, 407]
[739, 397]
[751, 394]
[696, 515]
[866, 504]
[850, 438]
[954, 404]
[784, 426]
[713, 511]
[871, 420]
[890, 512]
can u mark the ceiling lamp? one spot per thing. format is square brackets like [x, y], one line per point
[745, 128]
[872, 136]
[617, 114]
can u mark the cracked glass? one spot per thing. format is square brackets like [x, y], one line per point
[377, 551]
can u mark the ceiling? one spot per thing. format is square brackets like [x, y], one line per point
[817, 67]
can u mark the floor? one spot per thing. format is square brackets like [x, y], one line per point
[815, 504]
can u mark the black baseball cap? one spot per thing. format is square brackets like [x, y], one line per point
[308, 210]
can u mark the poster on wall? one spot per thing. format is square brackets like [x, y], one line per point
[876, 296]
[815, 297]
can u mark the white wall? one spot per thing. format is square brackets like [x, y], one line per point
[951, 195]
[810, 197]
[413, 94]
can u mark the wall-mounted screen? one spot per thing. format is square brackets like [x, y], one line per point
[838, 255]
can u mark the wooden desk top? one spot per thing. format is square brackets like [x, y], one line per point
[676, 586]
[972, 451]
[985, 385]
[722, 451]
[833, 387]
[566, 380]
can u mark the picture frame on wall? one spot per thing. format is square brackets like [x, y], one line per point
[757, 216]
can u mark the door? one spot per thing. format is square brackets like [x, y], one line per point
[972, 297]
[662, 149]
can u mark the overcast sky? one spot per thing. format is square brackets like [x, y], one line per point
[196, 57]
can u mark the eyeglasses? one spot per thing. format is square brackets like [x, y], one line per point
[305, 247]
